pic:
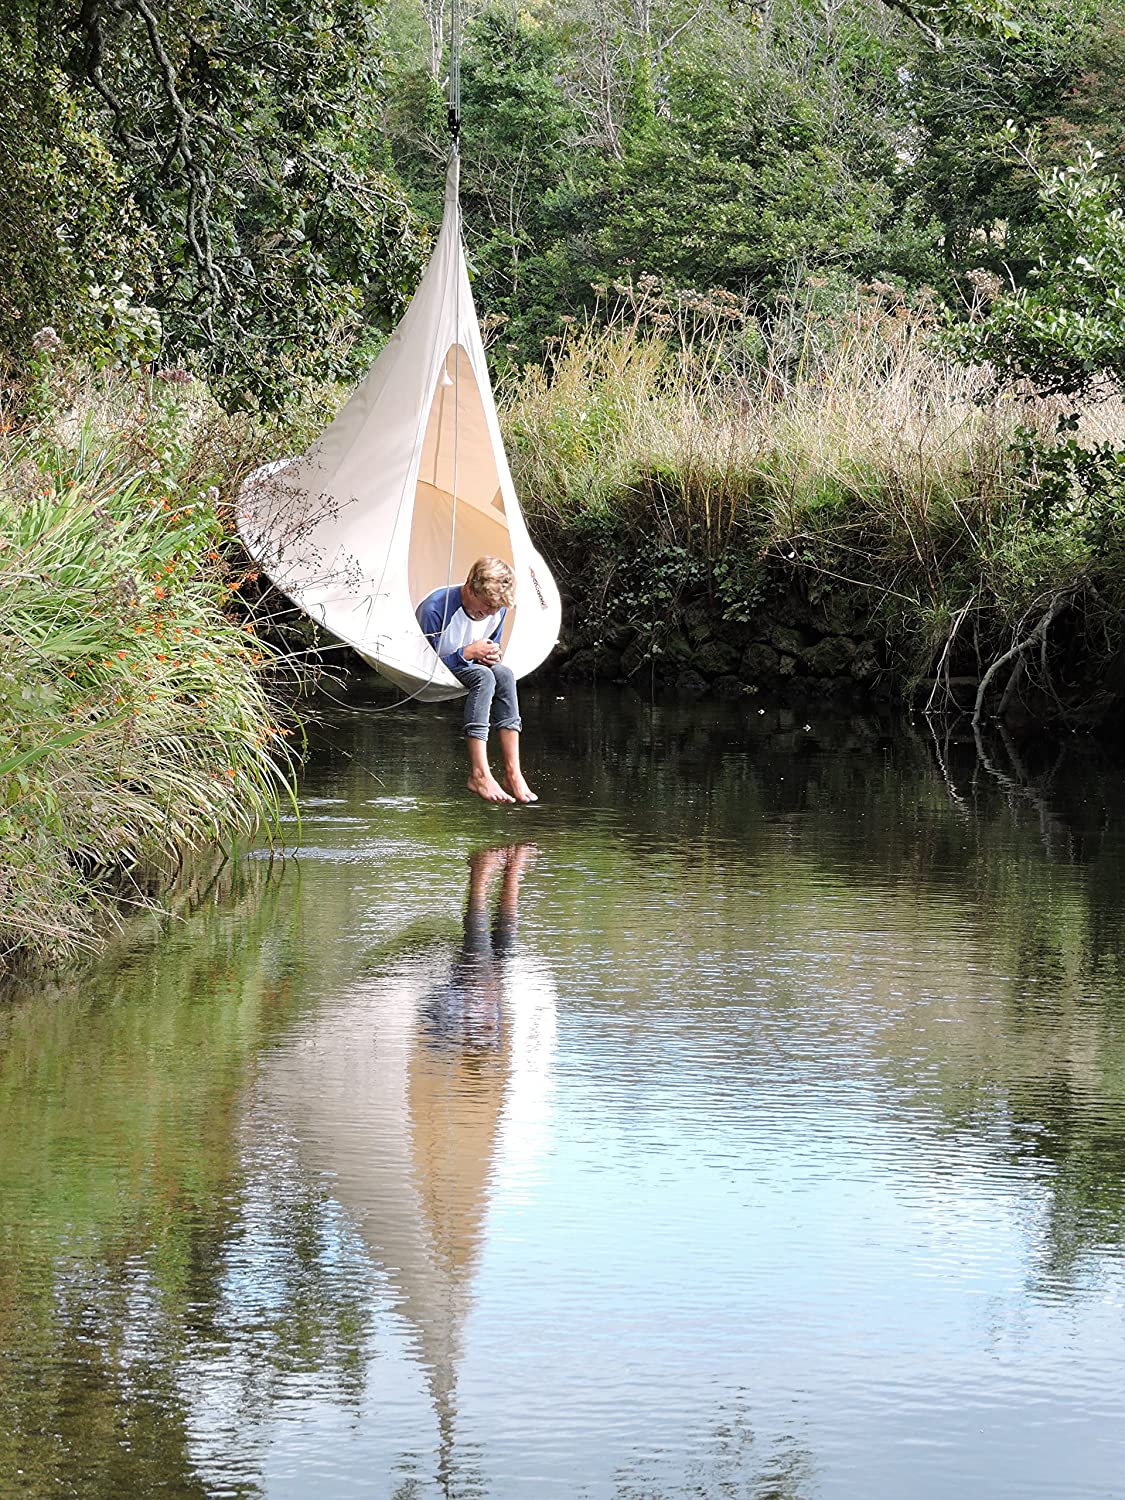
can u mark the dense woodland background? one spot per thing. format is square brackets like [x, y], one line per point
[251, 188]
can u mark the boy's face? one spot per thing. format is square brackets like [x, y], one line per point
[474, 605]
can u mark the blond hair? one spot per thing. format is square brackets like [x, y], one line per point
[492, 580]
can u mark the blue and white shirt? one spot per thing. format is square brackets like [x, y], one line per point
[449, 629]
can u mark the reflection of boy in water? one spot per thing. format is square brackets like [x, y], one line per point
[466, 1010]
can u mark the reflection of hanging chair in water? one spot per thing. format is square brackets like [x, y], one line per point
[403, 491]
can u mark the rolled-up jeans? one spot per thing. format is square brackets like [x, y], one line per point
[492, 699]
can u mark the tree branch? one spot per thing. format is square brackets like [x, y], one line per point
[1058, 603]
[933, 37]
[197, 224]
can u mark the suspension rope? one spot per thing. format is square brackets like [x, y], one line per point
[454, 101]
[455, 70]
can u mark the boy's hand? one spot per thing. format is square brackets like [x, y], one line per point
[485, 652]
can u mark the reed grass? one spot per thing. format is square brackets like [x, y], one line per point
[137, 720]
[841, 441]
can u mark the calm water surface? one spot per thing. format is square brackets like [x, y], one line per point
[748, 1119]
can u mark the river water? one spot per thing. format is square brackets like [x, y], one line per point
[747, 1119]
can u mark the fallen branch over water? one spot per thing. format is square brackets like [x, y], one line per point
[1018, 653]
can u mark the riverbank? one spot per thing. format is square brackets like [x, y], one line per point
[140, 717]
[844, 512]
[825, 511]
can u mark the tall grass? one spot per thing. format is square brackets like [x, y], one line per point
[135, 719]
[841, 441]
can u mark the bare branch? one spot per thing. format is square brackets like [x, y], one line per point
[1058, 603]
[197, 224]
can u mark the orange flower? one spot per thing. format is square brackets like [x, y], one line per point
[159, 592]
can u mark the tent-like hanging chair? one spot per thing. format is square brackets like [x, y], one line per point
[403, 491]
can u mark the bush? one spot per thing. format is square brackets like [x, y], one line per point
[135, 719]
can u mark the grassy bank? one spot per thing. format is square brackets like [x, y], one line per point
[136, 719]
[679, 453]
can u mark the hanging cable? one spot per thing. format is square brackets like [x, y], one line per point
[455, 71]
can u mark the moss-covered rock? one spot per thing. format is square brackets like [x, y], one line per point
[831, 657]
[690, 684]
[759, 664]
[785, 640]
[716, 659]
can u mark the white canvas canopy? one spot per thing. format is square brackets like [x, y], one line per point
[403, 491]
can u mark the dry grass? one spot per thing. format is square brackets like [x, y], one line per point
[708, 429]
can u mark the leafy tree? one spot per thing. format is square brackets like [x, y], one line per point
[604, 142]
[1065, 329]
[983, 196]
[247, 140]
[74, 245]
[937, 19]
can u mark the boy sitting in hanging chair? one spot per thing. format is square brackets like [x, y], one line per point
[463, 624]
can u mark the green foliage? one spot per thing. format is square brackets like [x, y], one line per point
[134, 720]
[596, 153]
[253, 188]
[76, 254]
[966, 101]
[938, 18]
[1080, 486]
[1066, 328]
[245, 142]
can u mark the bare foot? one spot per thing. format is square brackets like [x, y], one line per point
[519, 856]
[486, 786]
[484, 863]
[519, 789]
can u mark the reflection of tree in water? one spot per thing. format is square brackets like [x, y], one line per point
[88, 1399]
[732, 1462]
[1022, 843]
[1079, 1154]
[121, 1196]
[1064, 1096]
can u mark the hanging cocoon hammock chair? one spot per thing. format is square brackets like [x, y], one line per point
[406, 488]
